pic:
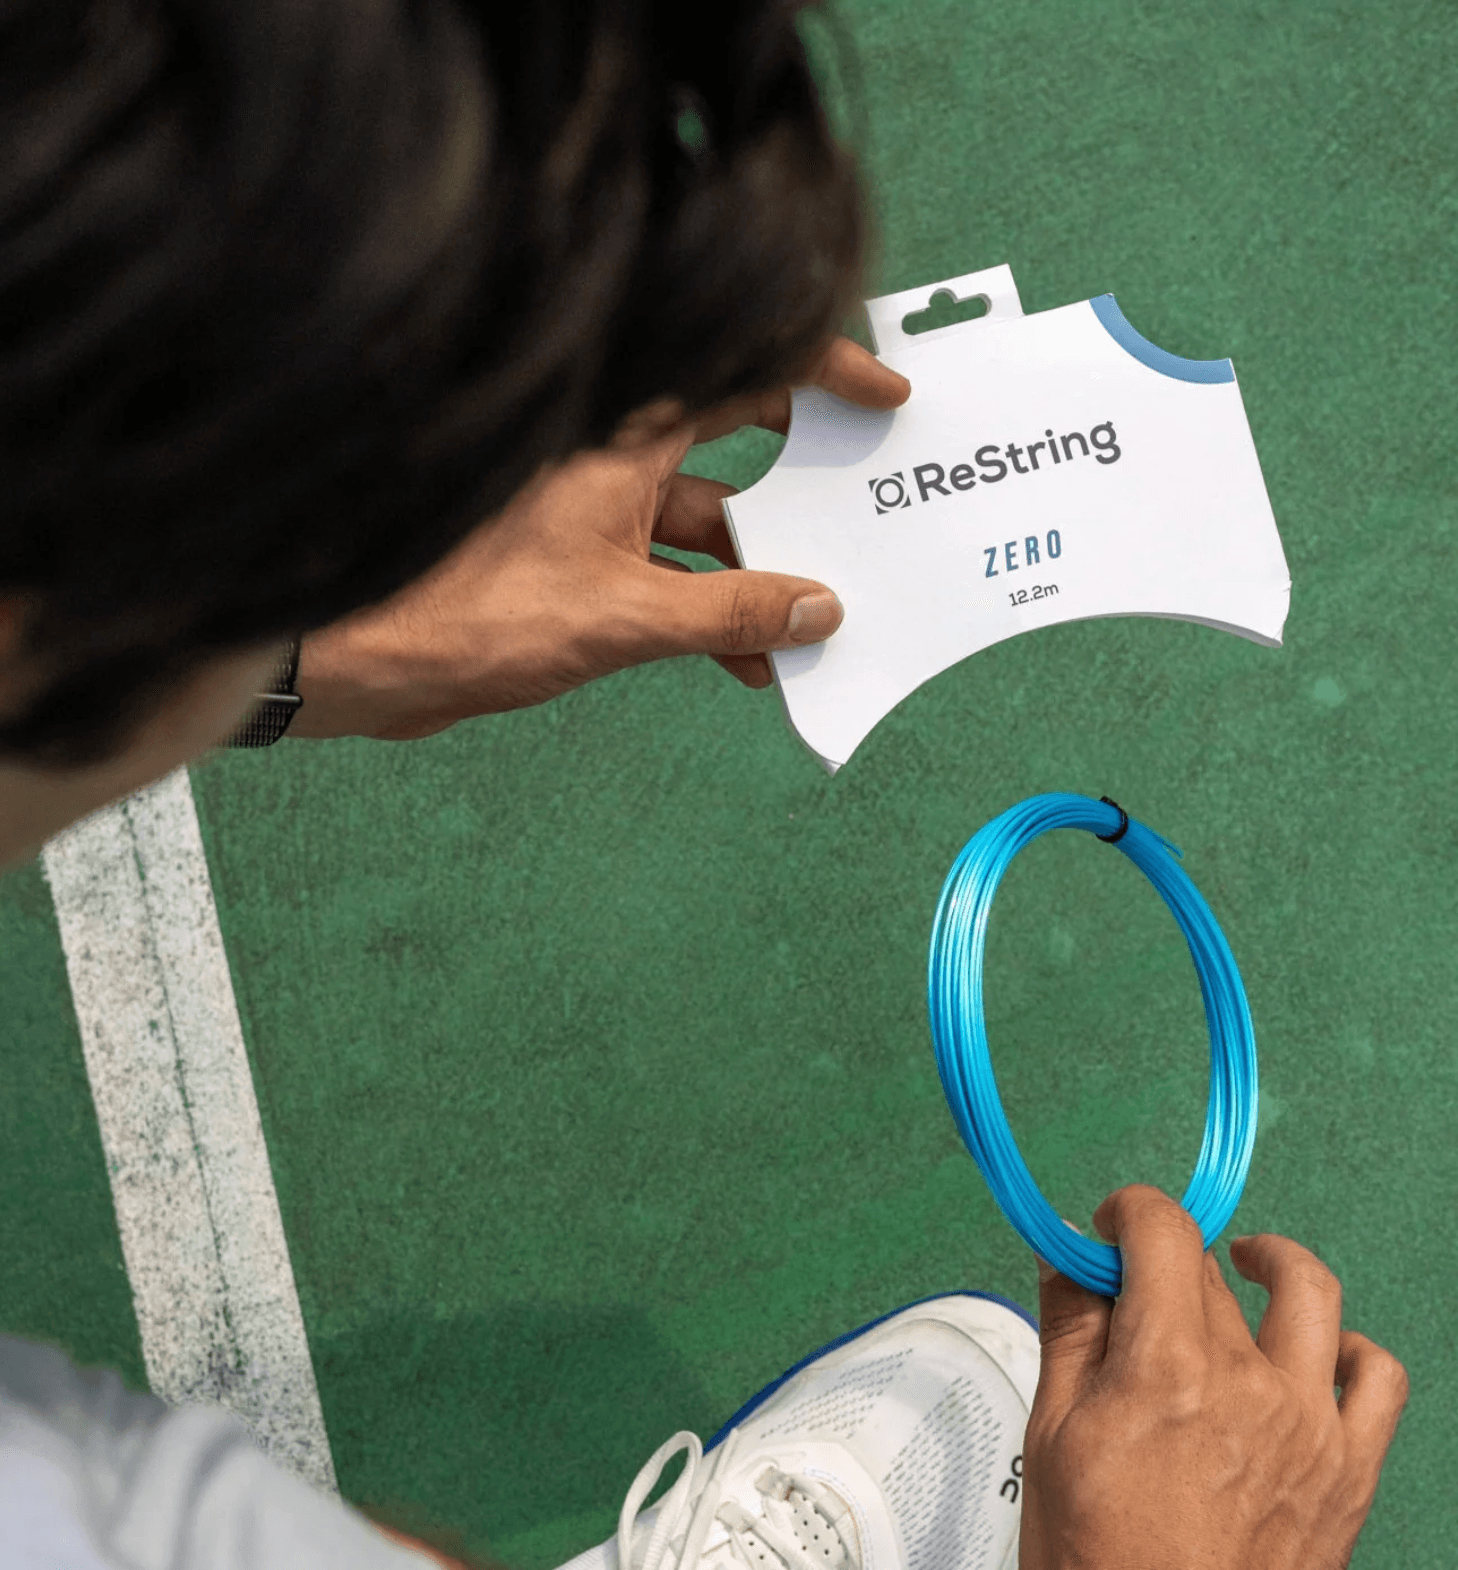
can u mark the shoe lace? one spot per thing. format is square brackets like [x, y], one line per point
[803, 1525]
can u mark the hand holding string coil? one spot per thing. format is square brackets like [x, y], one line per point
[955, 1004]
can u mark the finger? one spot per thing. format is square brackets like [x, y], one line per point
[1223, 1317]
[733, 612]
[1073, 1327]
[754, 670]
[854, 373]
[1163, 1296]
[845, 369]
[1374, 1392]
[848, 371]
[1301, 1328]
[651, 423]
[692, 518]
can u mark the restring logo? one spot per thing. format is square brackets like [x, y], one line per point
[890, 493]
[992, 464]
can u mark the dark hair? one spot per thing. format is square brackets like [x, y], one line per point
[294, 292]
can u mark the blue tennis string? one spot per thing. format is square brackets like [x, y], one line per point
[959, 1030]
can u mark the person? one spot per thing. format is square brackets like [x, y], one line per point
[292, 296]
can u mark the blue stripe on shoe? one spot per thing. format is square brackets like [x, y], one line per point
[756, 1401]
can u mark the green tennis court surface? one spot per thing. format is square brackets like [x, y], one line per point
[590, 1042]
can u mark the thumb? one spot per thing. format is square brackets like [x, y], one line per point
[737, 612]
[1073, 1326]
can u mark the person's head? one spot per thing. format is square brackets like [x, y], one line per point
[294, 292]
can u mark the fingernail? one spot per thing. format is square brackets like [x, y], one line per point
[1045, 1271]
[813, 617]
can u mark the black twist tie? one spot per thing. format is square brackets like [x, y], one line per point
[1123, 828]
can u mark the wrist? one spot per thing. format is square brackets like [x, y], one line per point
[276, 703]
[346, 680]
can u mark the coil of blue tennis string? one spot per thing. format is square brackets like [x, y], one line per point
[955, 1003]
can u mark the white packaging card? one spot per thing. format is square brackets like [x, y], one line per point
[1047, 468]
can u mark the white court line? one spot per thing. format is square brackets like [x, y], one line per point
[200, 1227]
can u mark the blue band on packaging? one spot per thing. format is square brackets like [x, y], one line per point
[955, 1004]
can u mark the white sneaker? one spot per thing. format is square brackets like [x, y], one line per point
[898, 1447]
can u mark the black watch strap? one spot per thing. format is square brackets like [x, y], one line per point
[276, 707]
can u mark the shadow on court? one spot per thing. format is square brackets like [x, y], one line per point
[522, 1417]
